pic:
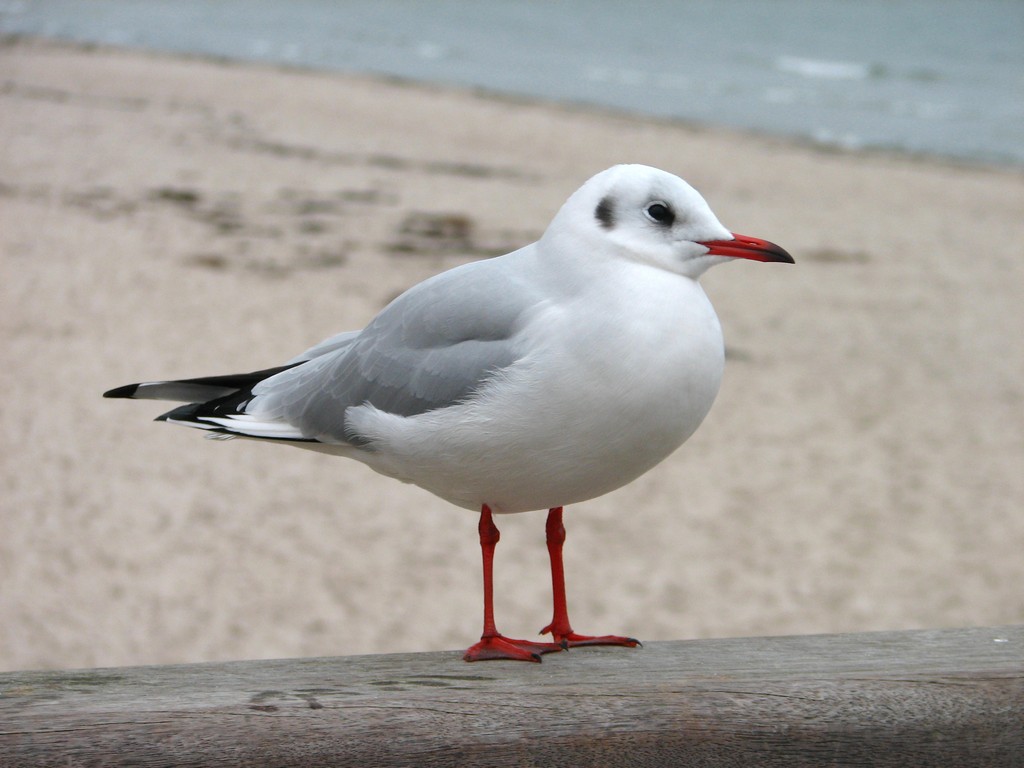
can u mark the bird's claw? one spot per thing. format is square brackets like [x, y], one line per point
[569, 639]
[493, 647]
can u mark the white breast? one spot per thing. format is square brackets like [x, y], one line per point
[615, 380]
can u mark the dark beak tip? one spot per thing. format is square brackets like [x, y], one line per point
[746, 247]
[772, 252]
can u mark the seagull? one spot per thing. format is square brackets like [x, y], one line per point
[530, 381]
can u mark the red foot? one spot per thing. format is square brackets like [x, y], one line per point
[569, 639]
[500, 647]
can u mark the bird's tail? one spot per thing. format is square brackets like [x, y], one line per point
[214, 403]
[201, 390]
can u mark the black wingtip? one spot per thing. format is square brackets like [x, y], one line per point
[181, 413]
[128, 390]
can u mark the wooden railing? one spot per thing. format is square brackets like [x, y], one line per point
[946, 698]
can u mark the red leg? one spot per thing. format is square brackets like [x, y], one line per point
[492, 644]
[559, 627]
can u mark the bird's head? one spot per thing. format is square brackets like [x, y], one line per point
[652, 216]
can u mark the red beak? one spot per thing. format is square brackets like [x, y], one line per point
[745, 247]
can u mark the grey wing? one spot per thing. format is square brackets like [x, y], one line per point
[432, 347]
[332, 344]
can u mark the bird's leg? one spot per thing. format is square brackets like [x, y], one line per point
[559, 627]
[492, 644]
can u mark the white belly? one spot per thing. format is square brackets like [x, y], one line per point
[586, 411]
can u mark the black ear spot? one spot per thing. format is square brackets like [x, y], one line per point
[605, 213]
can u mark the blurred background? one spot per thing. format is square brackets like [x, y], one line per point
[942, 77]
[278, 171]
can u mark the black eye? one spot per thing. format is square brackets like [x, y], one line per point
[660, 213]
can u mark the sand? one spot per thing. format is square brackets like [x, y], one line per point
[862, 469]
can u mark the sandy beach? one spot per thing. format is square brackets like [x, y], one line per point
[161, 217]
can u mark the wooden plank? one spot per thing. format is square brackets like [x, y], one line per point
[920, 698]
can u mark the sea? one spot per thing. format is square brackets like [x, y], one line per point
[940, 78]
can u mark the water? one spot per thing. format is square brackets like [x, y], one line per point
[940, 77]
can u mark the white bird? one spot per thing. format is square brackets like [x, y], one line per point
[548, 376]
